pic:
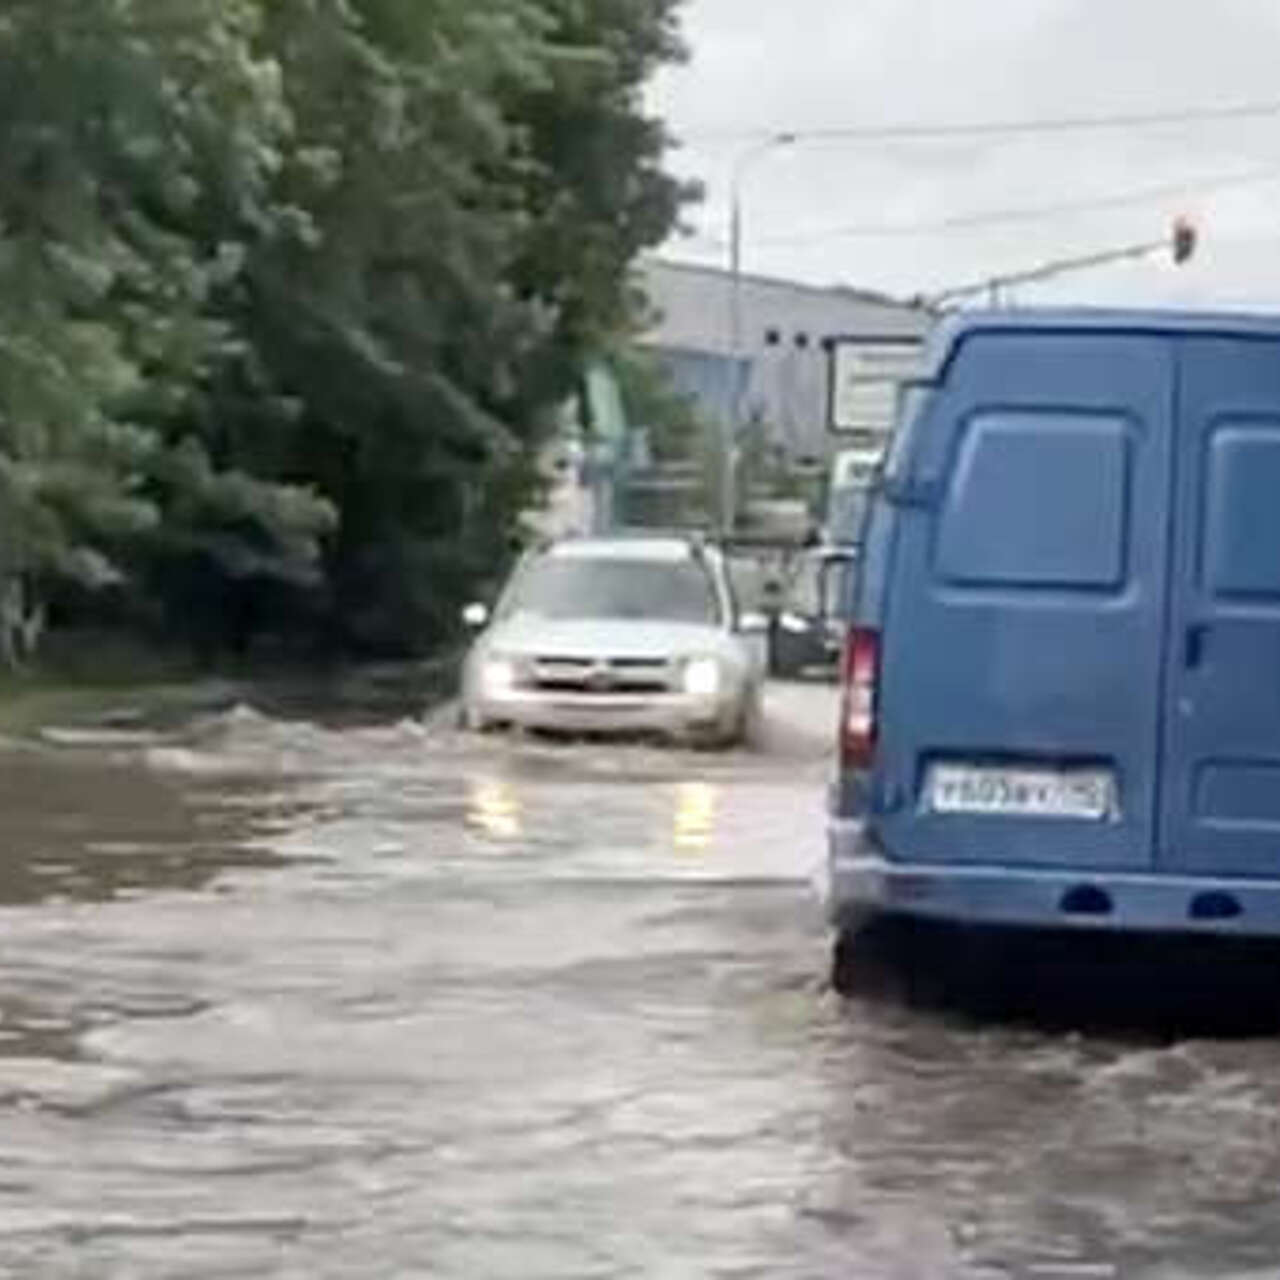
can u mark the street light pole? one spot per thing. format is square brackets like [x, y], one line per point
[1181, 243]
[731, 427]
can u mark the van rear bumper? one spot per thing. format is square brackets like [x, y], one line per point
[863, 883]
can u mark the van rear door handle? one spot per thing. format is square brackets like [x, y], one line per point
[1193, 645]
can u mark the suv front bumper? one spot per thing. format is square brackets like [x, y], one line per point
[669, 714]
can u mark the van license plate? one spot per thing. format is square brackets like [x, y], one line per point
[1079, 794]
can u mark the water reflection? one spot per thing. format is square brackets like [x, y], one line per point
[607, 1055]
[695, 816]
[89, 827]
[495, 808]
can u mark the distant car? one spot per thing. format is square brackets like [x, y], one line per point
[854, 476]
[617, 635]
[806, 624]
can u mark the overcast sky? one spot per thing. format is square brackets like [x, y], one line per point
[765, 65]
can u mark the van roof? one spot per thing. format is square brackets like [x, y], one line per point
[959, 325]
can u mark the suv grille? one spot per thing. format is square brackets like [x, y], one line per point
[602, 675]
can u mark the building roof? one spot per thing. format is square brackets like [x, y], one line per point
[797, 287]
[693, 307]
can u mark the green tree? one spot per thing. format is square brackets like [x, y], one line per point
[595, 191]
[291, 292]
[671, 417]
[478, 179]
[123, 126]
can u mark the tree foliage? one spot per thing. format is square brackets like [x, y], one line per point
[291, 289]
[670, 417]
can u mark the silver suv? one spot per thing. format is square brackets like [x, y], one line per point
[617, 635]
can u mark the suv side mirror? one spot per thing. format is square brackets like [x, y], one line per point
[476, 615]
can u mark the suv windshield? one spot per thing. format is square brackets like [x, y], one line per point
[583, 589]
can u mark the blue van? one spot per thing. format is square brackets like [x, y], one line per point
[1062, 674]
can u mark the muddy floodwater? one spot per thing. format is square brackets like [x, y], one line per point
[282, 999]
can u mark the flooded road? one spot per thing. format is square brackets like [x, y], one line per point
[284, 1000]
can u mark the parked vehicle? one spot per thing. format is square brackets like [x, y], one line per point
[617, 635]
[853, 479]
[806, 630]
[1062, 686]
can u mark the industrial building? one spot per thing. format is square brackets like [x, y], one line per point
[781, 370]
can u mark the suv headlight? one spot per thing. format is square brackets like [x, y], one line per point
[498, 676]
[702, 677]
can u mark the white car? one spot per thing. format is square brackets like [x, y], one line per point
[617, 635]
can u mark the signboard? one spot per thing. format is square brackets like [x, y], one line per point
[865, 376]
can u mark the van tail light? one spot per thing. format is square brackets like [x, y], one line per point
[859, 709]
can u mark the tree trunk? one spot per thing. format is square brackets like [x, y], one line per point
[22, 622]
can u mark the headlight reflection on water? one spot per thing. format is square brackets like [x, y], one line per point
[695, 816]
[495, 809]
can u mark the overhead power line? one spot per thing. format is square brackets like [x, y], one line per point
[1042, 126]
[1033, 213]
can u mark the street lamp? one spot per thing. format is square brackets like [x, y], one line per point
[732, 424]
[1181, 244]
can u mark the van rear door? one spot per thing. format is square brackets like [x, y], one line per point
[1023, 662]
[1221, 801]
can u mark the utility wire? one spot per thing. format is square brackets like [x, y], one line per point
[1044, 126]
[1033, 213]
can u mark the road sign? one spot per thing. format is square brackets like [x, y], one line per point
[866, 373]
